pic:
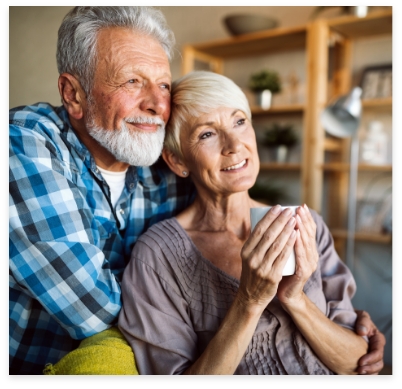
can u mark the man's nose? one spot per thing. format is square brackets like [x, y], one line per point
[155, 100]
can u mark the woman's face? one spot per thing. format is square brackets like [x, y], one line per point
[220, 152]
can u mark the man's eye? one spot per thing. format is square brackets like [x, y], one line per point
[206, 135]
[166, 86]
[132, 81]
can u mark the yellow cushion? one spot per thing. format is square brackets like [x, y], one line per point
[106, 353]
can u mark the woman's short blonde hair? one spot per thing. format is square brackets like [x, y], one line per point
[198, 93]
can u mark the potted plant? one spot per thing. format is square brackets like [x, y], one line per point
[281, 137]
[264, 83]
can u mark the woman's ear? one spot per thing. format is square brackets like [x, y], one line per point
[72, 94]
[175, 163]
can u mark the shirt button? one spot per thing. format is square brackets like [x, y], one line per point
[131, 186]
[122, 211]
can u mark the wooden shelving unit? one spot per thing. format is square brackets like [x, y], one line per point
[315, 39]
[274, 166]
[348, 30]
[344, 167]
[381, 103]
[374, 24]
[269, 41]
[363, 236]
[279, 109]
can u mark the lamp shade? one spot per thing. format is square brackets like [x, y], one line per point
[342, 118]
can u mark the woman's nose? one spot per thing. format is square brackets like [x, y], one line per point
[232, 144]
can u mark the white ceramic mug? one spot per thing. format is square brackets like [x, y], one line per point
[256, 214]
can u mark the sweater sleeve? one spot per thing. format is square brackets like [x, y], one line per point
[338, 284]
[154, 316]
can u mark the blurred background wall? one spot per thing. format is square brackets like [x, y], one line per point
[33, 77]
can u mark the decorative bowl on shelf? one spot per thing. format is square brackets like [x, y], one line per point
[238, 24]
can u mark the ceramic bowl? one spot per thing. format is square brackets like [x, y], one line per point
[243, 24]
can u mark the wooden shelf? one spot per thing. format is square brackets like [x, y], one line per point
[378, 103]
[332, 144]
[375, 23]
[257, 43]
[269, 166]
[279, 109]
[342, 167]
[363, 236]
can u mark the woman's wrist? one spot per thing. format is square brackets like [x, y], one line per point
[295, 304]
[249, 308]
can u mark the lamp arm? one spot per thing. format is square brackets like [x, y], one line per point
[354, 160]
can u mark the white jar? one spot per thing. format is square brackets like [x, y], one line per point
[374, 145]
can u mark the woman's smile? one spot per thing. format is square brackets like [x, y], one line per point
[237, 167]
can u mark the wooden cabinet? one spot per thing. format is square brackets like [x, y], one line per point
[328, 49]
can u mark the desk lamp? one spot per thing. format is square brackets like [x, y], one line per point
[342, 119]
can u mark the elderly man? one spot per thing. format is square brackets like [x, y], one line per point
[82, 188]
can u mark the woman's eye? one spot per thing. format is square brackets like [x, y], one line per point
[241, 122]
[206, 135]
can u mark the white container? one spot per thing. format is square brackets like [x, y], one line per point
[264, 99]
[374, 145]
[256, 214]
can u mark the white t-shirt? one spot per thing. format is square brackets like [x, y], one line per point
[116, 181]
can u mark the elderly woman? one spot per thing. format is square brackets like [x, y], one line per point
[203, 295]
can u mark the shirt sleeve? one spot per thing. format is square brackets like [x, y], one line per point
[54, 237]
[152, 301]
[338, 283]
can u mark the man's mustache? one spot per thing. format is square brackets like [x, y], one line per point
[145, 120]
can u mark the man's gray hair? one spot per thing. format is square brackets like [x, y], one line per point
[77, 37]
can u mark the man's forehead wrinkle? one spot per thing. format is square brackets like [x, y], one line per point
[124, 70]
[116, 65]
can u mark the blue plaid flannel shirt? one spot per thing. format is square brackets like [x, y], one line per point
[68, 247]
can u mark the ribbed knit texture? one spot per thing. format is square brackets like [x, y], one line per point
[106, 353]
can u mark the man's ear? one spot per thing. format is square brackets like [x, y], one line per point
[175, 164]
[72, 94]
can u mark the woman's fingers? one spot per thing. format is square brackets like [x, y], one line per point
[275, 237]
[306, 247]
[260, 229]
[304, 235]
[268, 241]
[307, 220]
[281, 259]
[265, 231]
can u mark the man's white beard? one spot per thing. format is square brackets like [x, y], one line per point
[136, 148]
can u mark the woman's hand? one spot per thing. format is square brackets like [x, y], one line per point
[290, 289]
[264, 256]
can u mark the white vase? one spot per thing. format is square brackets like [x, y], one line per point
[264, 99]
[360, 11]
[281, 154]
